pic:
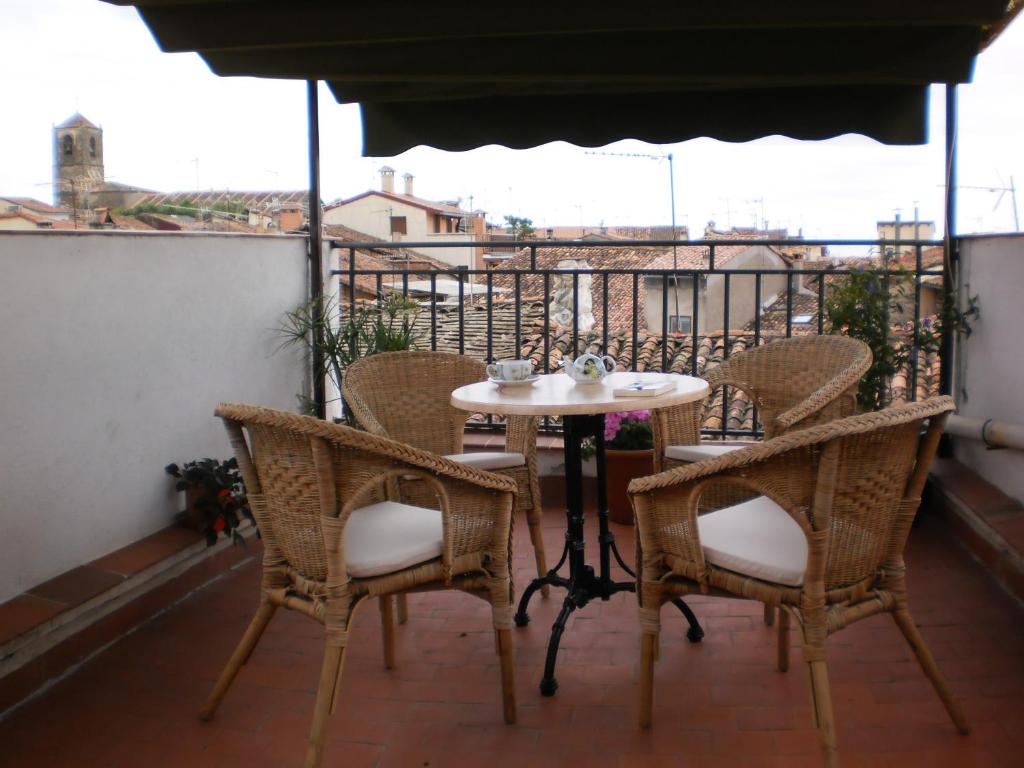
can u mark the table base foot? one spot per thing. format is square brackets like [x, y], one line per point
[695, 633]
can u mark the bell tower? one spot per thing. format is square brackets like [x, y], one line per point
[77, 161]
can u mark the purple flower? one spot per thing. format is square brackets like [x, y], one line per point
[613, 422]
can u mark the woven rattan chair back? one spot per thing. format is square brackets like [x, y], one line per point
[783, 373]
[286, 502]
[793, 384]
[865, 522]
[406, 396]
[284, 495]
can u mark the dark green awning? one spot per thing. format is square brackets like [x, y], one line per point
[464, 74]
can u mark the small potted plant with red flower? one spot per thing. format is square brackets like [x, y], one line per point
[215, 499]
[629, 453]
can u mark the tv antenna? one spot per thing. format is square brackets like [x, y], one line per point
[1002, 193]
[672, 200]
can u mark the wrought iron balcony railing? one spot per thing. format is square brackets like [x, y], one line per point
[505, 308]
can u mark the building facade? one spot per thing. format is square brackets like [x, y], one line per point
[390, 216]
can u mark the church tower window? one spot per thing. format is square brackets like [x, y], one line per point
[68, 145]
[92, 146]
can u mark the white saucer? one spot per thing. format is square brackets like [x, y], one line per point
[502, 383]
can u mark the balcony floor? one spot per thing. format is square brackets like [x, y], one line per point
[718, 703]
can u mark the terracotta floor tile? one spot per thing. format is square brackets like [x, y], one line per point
[77, 586]
[148, 551]
[979, 494]
[23, 613]
[717, 703]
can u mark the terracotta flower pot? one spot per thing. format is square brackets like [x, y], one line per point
[192, 517]
[621, 467]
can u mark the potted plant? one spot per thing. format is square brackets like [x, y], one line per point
[629, 453]
[215, 499]
[345, 337]
[862, 306]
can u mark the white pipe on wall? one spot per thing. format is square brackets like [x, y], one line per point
[996, 434]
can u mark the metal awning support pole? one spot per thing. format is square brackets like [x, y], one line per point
[950, 250]
[949, 253]
[316, 272]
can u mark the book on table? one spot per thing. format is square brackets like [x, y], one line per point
[644, 389]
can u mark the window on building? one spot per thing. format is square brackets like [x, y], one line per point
[398, 225]
[92, 146]
[679, 324]
[802, 319]
[69, 145]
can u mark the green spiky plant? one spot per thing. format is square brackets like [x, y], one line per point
[347, 336]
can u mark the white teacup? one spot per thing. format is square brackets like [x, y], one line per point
[510, 370]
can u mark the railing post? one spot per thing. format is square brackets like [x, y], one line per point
[695, 323]
[915, 349]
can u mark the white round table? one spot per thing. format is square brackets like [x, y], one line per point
[582, 408]
[558, 395]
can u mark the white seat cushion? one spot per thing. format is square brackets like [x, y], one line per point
[389, 536]
[489, 459]
[702, 451]
[756, 538]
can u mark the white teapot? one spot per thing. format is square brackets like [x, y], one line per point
[589, 369]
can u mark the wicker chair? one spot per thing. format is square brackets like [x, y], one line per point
[406, 396]
[793, 383]
[824, 542]
[334, 534]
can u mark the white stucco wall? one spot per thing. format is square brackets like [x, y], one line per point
[990, 366]
[115, 348]
[711, 299]
[742, 290]
[372, 215]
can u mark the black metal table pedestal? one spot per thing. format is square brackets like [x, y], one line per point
[583, 584]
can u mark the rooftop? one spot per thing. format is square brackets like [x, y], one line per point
[77, 120]
[419, 202]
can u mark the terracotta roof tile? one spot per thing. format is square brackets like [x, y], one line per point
[77, 120]
[41, 222]
[127, 222]
[618, 232]
[400, 258]
[36, 206]
[260, 199]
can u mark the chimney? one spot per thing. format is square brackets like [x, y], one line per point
[407, 178]
[387, 179]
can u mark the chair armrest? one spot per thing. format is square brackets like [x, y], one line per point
[829, 392]
[668, 504]
[407, 455]
[681, 424]
[361, 411]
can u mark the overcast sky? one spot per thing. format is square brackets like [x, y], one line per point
[169, 124]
